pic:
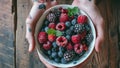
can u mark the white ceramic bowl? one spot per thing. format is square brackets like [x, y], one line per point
[74, 63]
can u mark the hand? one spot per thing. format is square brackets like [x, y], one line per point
[34, 15]
[92, 10]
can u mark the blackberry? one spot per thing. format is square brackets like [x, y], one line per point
[51, 17]
[89, 38]
[79, 28]
[87, 27]
[69, 55]
[56, 12]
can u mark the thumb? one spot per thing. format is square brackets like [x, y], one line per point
[30, 37]
[31, 44]
[100, 37]
[98, 44]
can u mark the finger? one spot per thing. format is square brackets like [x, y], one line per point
[75, 2]
[41, 1]
[30, 37]
[98, 44]
[100, 37]
[54, 2]
[31, 43]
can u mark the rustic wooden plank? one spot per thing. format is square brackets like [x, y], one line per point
[114, 59]
[24, 59]
[6, 35]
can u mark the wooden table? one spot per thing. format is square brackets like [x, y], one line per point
[14, 49]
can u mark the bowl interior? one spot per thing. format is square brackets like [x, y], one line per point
[76, 62]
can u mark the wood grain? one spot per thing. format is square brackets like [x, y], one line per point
[6, 35]
[24, 59]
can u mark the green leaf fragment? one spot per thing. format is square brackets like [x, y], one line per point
[58, 33]
[76, 10]
[73, 11]
[51, 31]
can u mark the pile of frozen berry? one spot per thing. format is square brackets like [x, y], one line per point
[65, 35]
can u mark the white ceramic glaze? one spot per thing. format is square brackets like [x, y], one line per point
[74, 63]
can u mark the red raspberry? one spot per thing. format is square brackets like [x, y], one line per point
[51, 37]
[42, 37]
[60, 8]
[52, 25]
[85, 47]
[60, 26]
[69, 46]
[83, 34]
[78, 48]
[47, 45]
[61, 41]
[64, 11]
[82, 19]
[76, 39]
[63, 17]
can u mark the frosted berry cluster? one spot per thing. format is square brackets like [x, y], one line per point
[65, 35]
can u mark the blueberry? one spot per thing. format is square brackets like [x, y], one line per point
[54, 54]
[60, 54]
[46, 29]
[54, 45]
[57, 60]
[54, 49]
[72, 28]
[74, 21]
[68, 24]
[46, 22]
[62, 49]
[63, 61]
[68, 32]
[63, 32]
[49, 52]
[68, 37]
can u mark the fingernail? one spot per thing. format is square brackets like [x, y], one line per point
[30, 48]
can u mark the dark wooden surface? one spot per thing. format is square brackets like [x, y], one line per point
[14, 48]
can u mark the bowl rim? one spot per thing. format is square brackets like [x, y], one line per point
[37, 31]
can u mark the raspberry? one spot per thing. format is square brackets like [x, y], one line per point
[82, 19]
[52, 25]
[60, 26]
[63, 17]
[61, 41]
[64, 11]
[51, 37]
[42, 37]
[47, 45]
[76, 39]
[85, 47]
[51, 17]
[78, 48]
[69, 46]
[83, 34]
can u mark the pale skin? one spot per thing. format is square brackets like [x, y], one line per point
[86, 5]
